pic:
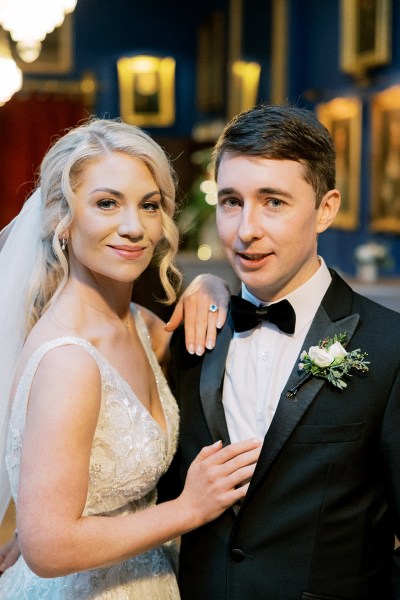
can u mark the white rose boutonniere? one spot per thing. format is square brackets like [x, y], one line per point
[329, 360]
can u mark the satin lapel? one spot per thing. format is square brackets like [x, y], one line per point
[211, 382]
[290, 410]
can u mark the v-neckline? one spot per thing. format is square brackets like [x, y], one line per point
[165, 432]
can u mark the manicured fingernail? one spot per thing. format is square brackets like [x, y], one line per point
[191, 348]
[219, 325]
[199, 350]
[209, 345]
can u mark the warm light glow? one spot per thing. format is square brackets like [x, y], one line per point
[10, 74]
[246, 77]
[30, 21]
[208, 186]
[211, 198]
[29, 51]
[204, 252]
[144, 64]
[209, 189]
[69, 6]
[10, 77]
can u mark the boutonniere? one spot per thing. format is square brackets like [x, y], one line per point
[331, 361]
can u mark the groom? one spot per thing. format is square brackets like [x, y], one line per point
[323, 507]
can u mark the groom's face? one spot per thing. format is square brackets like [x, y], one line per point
[268, 223]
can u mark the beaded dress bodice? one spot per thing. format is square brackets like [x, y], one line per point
[129, 454]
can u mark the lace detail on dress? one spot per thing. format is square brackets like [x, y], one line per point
[129, 454]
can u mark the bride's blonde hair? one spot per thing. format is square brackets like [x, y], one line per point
[61, 172]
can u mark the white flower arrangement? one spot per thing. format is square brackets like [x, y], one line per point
[329, 360]
[373, 253]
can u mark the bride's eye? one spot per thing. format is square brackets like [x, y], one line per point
[151, 206]
[106, 203]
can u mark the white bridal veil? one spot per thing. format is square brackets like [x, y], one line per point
[18, 251]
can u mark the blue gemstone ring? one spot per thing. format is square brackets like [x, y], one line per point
[213, 308]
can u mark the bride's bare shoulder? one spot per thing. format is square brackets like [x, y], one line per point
[41, 333]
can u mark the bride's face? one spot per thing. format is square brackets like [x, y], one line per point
[118, 219]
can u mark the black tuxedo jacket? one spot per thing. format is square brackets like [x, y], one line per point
[323, 507]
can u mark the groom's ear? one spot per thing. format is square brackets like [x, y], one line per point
[327, 210]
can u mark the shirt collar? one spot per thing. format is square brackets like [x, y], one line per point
[305, 299]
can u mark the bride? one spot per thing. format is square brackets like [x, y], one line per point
[93, 425]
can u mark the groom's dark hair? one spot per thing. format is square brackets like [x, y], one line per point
[282, 132]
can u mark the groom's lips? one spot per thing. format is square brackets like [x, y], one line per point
[254, 260]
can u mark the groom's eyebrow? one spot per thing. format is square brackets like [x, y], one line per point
[261, 191]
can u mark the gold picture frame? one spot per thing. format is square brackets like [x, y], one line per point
[385, 160]
[147, 90]
[245, 81]
[56, 55]
[365, 35]
[342, 117]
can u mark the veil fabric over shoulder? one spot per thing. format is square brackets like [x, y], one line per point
[19, 243]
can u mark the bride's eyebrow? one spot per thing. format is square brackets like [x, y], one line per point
[108, 191]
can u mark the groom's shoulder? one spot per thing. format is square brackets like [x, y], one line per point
[178, 351]
[379, 325]
[340, 289]
[375, 320]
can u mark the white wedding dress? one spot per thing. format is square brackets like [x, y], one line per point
[129, 454]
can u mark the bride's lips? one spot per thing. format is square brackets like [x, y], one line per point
[128, 252]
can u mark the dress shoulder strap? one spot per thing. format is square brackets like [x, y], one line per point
[25, 382]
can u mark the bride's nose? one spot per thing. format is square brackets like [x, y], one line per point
[130, 224]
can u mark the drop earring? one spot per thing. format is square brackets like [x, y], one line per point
[63, 244]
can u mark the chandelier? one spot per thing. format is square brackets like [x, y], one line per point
[10, 74]
[29, 21]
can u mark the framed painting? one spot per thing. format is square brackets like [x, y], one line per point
[342, 117]
[245, 79]
[385, 160]
[365, 35]
[56, 55]
[147, 90]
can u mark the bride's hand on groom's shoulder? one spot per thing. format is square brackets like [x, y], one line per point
[203, 306]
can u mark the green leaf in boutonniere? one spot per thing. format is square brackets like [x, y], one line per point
[329, 360]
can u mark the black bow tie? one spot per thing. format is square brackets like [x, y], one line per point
[246, 315]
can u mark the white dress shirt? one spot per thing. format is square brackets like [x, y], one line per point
[260, 361]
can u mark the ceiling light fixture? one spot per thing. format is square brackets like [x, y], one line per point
[29, 22]
[10, 73]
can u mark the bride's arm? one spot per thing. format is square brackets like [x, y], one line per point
[55, 538]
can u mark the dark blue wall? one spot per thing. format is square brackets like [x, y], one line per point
[106, 30]
[315, 73]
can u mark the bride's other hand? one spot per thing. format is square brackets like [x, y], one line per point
[9, 554]
[218, 478]
[204, 307]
